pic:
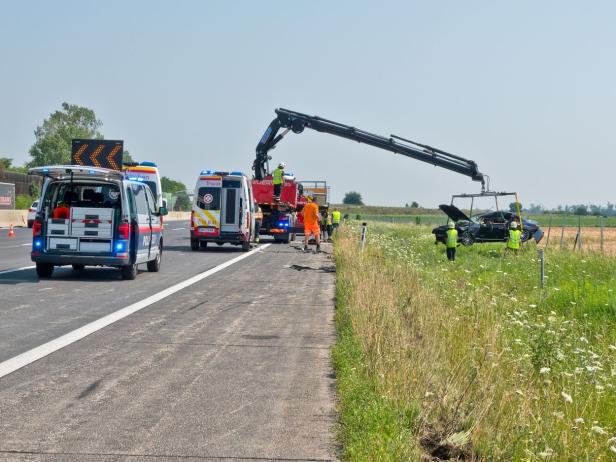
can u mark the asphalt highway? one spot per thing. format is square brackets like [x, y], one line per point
[223, 356]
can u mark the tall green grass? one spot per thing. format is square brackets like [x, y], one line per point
[474, 356]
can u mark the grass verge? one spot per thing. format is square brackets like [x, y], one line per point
[472, 360]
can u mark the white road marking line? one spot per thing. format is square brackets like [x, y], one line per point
[28, 244]
[177, 229]
[17, 269]
[28, 357]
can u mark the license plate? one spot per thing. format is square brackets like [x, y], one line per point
[208, 230]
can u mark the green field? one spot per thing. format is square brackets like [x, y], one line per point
[473, 360]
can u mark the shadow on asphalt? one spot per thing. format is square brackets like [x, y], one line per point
[64, 274]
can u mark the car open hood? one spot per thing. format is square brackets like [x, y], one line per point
[454, 212]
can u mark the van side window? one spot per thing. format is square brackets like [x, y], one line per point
[131, 201]
[140, 200]
[151, 201]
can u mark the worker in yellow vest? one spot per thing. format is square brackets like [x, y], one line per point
[451, 241]
[515, 238]
[278, 180]
[335, 220]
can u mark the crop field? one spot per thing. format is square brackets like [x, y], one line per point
[473, 360]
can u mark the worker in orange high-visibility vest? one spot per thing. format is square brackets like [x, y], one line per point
[311, 223]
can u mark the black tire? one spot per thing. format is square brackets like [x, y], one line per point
[194, 244]
[245, 246]
[154, 265]
[129, 272]
[203, 244]
[78, 266]
[467, 240]
[44, 270]
[525, 236]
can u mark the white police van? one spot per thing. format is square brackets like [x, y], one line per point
[89, 216]
[222, 210]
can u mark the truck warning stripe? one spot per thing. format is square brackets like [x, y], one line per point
[206, 218]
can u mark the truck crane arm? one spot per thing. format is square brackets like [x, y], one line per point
[296, 122]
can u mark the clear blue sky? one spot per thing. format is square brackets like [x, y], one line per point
[527, 89]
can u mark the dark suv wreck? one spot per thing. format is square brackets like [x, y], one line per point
[486, 227]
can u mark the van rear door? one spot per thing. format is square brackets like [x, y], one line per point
[207, 206]
[231, 189]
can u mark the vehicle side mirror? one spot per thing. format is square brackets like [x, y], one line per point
[163, 211]
[164, 203]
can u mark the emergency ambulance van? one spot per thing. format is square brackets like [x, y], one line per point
[222, 210]
[92, 216]
[146, 172]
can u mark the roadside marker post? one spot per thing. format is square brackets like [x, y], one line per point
[364, 225]
[542, 267]
[602, 235]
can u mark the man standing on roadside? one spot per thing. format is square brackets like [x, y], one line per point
[278, 180]
[451, 241]
[515, 238]
[311, 223]
[335, 220]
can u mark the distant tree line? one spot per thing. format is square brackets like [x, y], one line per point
[575, 209]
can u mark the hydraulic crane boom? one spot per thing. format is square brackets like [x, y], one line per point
[296, 122]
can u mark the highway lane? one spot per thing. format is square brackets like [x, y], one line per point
[15, 252]
[235, 367]
[34, 311]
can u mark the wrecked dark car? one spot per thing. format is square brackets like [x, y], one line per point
[486, 227]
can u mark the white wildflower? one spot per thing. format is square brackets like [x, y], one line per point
[579, 421]
[566, 397]
[544, 370]
[559, 415]
[613, 449]
[533, 306]
[612, 347]
[573, 303]
[598, 430]
[583, 339]
[547, 452]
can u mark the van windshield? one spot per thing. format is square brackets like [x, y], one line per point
[208, 198]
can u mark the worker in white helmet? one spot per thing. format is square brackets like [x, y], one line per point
[278, 180]
[514, 241]
[451, 240]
